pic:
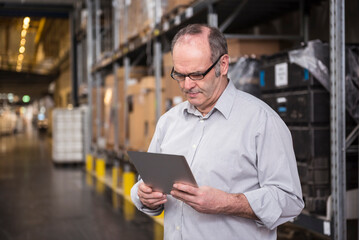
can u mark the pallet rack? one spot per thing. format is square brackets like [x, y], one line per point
[221, 14]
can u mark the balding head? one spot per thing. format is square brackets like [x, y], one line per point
[213, 37]
[217, 41]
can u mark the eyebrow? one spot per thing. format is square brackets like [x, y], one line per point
[197, 72]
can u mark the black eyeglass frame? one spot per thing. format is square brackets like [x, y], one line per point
[189, 75]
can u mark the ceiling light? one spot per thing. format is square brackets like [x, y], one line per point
[26, 21]
[22, 49]
[23, 41]
[25, 26]
[20, 57]
[23, 33]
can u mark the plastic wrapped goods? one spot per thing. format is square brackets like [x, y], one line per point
[245, 75]
[315, 57]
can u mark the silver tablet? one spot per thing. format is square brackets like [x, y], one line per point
[160, 171]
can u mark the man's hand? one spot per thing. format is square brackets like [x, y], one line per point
[210, 200]
[150, 198]
[203, 199]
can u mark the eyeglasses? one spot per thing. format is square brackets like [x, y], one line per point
[194, 76]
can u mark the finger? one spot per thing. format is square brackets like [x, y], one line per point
[152, 195]
[183, 196]
[186, 188]
[153, 203]
[157, 201]
[144, 188]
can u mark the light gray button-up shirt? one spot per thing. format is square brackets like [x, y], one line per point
[241, 146]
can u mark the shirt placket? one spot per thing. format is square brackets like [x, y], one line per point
[193, 146]
[198, 132]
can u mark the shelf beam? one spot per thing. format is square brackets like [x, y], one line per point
[231, 17]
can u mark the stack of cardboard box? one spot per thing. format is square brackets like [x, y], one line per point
[136, 74]
[172, 92]
[142, 113]
[173, 4]
[246, 47]
[95, 92]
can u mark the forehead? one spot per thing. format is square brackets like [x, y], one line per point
[191, 53]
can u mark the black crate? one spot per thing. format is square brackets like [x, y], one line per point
[310, 106]
[318, 176]
[316, 205]
[303, 173]
[311, 143]
[282, 75]
[313, 175]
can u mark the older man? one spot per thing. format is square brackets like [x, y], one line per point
[238, 148]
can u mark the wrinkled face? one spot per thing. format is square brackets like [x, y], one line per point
[192, 54]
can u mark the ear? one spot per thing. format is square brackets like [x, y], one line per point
[224, 64]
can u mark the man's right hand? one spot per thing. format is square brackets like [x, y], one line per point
[150, 198]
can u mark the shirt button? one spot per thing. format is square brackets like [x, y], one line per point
[177, 228]
[201, 121]
[194, 146]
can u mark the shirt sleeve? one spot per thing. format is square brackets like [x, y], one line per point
[140, 206]
[279, 197]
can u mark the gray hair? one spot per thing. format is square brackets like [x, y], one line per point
[217, 41]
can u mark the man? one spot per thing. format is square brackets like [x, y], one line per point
[238, 148]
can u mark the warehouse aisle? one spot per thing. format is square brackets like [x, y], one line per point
[41, 201]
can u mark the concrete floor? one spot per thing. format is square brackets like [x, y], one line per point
[39, 200]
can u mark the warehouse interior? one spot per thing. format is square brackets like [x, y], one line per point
[84, 81]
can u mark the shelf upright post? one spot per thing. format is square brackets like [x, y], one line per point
[337, 126]
[158, 61]
[126, 64]
[212, 17]
[98, 73]
[90, 61]
[116, 43]
[304, 21]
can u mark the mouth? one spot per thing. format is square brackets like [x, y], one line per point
[192, 94]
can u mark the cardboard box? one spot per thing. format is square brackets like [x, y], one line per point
[142, 113]
[239, 47]
[172, 91]
[172, 4]
[136, 73]
[94, 113]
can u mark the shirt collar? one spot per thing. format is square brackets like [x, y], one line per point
[223, 105]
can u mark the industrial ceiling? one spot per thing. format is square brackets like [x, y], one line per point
[34, 41]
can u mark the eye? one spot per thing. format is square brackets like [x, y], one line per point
[178, 74]
[196, 75]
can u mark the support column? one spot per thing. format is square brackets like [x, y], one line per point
[337, 127]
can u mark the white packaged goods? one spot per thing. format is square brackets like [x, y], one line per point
[67, 135]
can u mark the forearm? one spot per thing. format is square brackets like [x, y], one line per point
[237, 205]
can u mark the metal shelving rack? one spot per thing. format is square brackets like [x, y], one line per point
[223, 14]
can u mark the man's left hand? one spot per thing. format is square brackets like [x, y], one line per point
[203, 199]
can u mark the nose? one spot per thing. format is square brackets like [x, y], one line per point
[188, 83]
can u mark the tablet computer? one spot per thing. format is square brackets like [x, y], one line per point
[160, 171]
